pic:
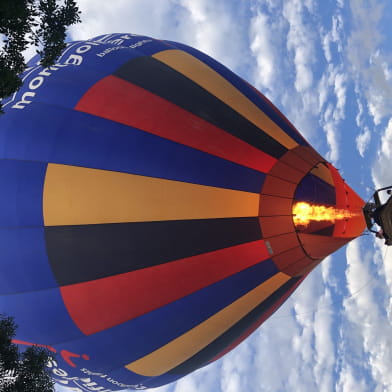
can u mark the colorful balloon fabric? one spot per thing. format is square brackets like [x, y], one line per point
[146, 223]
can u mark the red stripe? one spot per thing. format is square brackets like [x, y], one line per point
[347, 199]
[257, 324]
[341, 197]
[118, 100]
[104, 303]
[22, 342]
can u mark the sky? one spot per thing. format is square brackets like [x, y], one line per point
[327, 65]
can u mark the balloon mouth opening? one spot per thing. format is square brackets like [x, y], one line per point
[304, 214]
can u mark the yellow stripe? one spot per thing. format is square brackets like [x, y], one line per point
[322, 172]
[214, 83]
[180, 349]
[76, 195]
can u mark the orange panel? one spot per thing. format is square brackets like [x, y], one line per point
[271, 205]
[348, 199]
[281, 243]
[308, 154]
[350, 228]
[310, 267]
[78, 195]
[322, 172]
[355, 226]
[311, 151]
[301, 267]
[285, 259]
[276, 225]
[286, 172]
[319, 246]
[341, 196]
[293, 160]
[277, 187]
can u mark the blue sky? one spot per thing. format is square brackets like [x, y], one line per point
[327, 65]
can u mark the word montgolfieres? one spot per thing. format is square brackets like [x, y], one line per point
[146, 215]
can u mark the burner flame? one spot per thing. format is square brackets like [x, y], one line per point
[304, 213]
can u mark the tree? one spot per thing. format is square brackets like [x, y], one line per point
[22, 372]
[41, 23]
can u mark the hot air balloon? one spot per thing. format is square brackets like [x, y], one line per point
[151, 214]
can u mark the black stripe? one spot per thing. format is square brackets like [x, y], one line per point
[217, 346]
[171, 85]
[89, 252]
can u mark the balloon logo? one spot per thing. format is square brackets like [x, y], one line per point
[146, 219]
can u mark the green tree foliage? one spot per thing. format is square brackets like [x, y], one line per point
[23, 23]
[22, 372]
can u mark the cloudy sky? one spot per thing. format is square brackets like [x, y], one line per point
[327, 64]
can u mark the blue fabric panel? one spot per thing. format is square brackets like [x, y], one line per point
[24, 264]
[94, 379]
[246, 89]
[85, 62]
[124, 376]
[314, 190]
[58, 135]
[41, 317]
[21, 185]
[129, 341]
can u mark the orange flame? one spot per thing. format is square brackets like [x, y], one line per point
[304, 213]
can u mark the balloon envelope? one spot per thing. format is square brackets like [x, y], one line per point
[146, 206]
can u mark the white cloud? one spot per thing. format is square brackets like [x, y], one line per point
[331, 132]
[278, 351]
[333, 37]
[337, 28]
[300, 42]
[340, 92]
[217, 30]
[123, 16]
[323, 91]
[310, 107]
[364, 309]
[311, 6]
[332, 96]
[362, 141]
[326, 42]
[381, 171]
[212, 28]
[349, 381]
[234, 372]
[324, 346]
[202, 380]
[368, 62]
[262, 49]
[358, 118]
